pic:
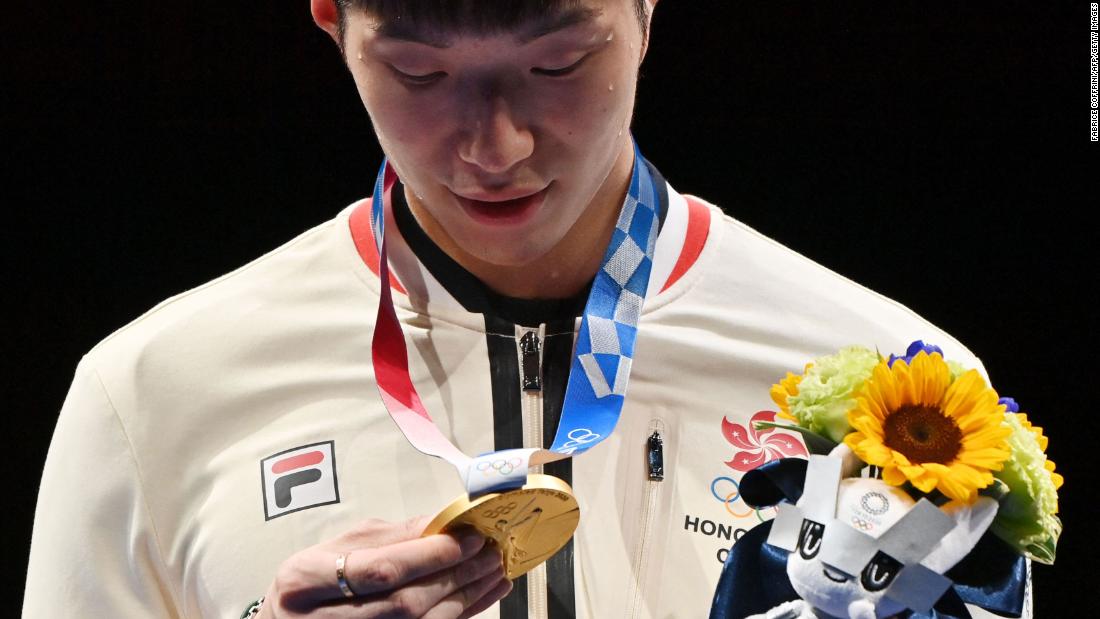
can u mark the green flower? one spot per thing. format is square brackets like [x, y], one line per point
[956, 369]
[1027, 517]
[825, 393]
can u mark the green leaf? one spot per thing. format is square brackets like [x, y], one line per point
[1043, 552]
[996, 490]
[817, 444]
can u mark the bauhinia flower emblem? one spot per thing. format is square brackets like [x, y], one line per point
[757, 446]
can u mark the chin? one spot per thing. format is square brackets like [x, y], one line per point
[516, 256]
[505, 246]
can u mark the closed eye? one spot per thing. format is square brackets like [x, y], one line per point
[560, 71]
[418, 80]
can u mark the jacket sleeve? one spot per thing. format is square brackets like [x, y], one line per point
[94, 550]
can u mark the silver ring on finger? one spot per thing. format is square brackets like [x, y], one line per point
[341, 580]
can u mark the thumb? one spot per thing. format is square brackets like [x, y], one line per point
[415, 526]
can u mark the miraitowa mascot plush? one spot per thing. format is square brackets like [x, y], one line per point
[853, 547]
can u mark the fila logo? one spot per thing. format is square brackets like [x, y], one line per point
[298, 479]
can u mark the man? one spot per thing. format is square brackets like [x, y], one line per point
[508, 126]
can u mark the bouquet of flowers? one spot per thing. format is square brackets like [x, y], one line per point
[920, 429]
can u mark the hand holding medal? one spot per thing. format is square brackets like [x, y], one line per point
[383, 569]
[531, 517]
[528, 524]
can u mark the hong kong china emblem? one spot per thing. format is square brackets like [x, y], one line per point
[753, 445]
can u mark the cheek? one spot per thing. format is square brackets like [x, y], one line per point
[809, 581]
[398, 122]
[595, 108]
[886, 607]
[398, 116]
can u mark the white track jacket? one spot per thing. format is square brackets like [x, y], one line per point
[238, 423]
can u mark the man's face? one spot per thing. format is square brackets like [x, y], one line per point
[505, 140]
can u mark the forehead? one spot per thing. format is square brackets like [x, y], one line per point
[435, 21]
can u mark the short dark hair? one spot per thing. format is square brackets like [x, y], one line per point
[476, 16]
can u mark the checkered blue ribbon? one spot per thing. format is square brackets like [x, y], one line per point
[596, 389]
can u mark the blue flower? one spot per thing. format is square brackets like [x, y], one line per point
[1010, 405]
[912, 351]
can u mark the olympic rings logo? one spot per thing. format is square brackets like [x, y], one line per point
[498, 511]
[501, 466]
[583, 435]
[578, 437]
[861, 524]
[720, 488]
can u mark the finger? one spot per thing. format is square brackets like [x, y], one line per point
[419, 597]
[414, 527]
[374, 533]
[472, 598]
[376, 570]
[502, 588]
[486, 564]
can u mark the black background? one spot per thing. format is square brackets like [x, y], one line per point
[934, 152]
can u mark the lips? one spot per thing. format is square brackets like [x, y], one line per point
[503, 209]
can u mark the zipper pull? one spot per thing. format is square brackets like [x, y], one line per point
[529, 347]
[655, 457]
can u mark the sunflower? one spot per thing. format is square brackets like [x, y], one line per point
[921, 427]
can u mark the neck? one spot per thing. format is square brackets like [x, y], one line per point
[570, 265]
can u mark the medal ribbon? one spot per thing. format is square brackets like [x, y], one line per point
[598, 376]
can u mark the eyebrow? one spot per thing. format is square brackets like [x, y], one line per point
[537, 28]
[558, 21]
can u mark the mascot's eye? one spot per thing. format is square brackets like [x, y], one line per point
[880, 572]
[809, 539]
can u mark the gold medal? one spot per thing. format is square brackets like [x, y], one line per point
[528, 524]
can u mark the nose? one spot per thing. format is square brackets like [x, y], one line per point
[498, 139]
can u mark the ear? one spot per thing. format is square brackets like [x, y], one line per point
[651, 6]
[774, 481]
[971, 521]
[326, 17]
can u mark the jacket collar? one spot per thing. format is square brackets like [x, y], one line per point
[417, 264]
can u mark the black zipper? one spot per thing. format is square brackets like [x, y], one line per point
[655, 457]
[530, 346]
